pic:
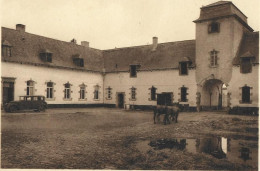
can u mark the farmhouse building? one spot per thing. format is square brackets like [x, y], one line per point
[217, 70]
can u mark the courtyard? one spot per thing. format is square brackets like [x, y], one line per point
[110, 138]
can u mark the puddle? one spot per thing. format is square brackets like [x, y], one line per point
[242, 151]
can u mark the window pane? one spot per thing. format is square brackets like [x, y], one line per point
[96, 94]
[67, 85]
[183, 94]
[133, 71]
[153, 93]
[184, 69]
[51, 93]
[49, 84]
[246, 94]
[29, 83]
[47, 93]
[30, 91]
[246, 65]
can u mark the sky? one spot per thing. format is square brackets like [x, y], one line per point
[107, 24]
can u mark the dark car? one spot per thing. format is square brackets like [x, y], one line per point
[27, 103]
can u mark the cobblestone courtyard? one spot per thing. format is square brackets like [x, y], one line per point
[103, 138]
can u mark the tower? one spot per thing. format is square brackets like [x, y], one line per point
[219, 31]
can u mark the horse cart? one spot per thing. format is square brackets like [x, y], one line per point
[166, 107]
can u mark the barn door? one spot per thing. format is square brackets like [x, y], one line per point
[7, 90]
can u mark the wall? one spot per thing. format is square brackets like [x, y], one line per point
[239, 80]
[226, 42]
[40, 75]
[164, 81]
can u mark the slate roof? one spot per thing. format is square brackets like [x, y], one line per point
[217, 3]
[26, 48]
[249, 47]
[222, 9]
[166, 56]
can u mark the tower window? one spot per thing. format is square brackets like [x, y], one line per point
[214, 27]
[183, 68]
[213, 58]
[246, 66]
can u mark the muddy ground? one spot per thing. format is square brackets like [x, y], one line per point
[102, 138]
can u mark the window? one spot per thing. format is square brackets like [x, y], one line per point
[109, 93]
[133, 72]
[213, 58]
[183, 68]
[67, 91]
[153, 93]
[30, 88]
[6, 51]
[184, 94]
[46, 56]
[133, 93]
[246, 66]
[49, 94]
[82, 91]
[245, 94]
[78, 61]
[96, 92]
[214, 27]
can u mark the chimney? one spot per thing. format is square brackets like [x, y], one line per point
[74, 41]
[20, 27]
[155, 43]
[85, 43]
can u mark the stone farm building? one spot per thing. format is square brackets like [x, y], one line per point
[219, 69]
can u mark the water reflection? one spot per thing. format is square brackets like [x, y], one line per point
[234, 150]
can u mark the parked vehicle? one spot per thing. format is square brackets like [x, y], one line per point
[36, 103]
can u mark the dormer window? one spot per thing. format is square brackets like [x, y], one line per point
[183, 68]
[133, 70]
[246, 66]
[46, 55]
[6, 49]
[184, 63]
[246, 61]
[77, 60]
[214, 27]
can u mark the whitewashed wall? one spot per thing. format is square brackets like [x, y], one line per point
[41, 75]
[164, 81]
[239, 80]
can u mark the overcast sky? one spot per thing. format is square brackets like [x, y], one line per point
[108, 24]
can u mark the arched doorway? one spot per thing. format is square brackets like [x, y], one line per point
[211, 94]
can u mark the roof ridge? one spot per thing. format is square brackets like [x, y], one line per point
[138, 46]
[50, 38]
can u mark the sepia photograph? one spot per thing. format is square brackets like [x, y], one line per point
[130, 84]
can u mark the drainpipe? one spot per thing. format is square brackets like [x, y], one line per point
[103, 75]
[210, 99]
